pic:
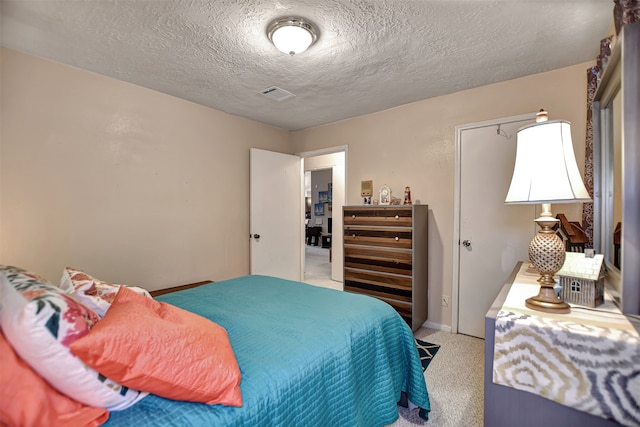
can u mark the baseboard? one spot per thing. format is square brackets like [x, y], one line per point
[437, 326]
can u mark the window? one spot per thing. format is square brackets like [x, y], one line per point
[575, 286]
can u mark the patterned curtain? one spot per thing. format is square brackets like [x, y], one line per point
[587, 208]
[624, 12]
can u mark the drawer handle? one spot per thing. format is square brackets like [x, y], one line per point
[397, 217]
[354, 236]
[397, 238]
[353, 216]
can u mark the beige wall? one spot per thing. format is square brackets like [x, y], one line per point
[415, 145]
[126, 183]
[139, 187]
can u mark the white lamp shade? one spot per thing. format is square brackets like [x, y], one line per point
[292, 39]
[545, 170]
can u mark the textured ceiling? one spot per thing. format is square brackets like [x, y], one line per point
[371, 54]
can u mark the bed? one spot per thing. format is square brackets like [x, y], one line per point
[308, 356]
[260, 351]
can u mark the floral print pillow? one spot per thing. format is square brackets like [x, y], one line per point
[94, 293]
[40, 321]
[64, 317]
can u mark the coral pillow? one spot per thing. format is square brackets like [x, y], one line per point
[165, 350]
[26, 399]
[95, 294]
[40, 321]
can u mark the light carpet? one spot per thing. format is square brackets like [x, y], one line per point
[455, 380]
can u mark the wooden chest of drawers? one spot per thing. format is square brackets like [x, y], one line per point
[386, 254]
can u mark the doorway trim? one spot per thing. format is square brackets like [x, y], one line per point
[455, 288]
[337, 222]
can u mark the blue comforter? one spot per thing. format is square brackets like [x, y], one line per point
[309, 356]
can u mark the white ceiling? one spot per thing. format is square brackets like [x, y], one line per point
[371, 54]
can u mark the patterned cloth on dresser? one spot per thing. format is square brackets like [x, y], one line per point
[588, 360]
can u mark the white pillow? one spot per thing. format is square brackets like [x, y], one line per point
[94, 293]
[40, 321]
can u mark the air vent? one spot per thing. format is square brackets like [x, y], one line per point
[277, 94]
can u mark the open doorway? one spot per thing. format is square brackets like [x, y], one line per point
[324, 197]
[318, 189]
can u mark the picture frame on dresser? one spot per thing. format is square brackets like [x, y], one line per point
[385, 195]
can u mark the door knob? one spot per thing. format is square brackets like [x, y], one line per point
[256, 236]
[466, 243]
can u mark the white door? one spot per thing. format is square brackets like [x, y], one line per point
[276, 204]
[493, 237]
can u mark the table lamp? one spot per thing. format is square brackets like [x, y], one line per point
[546, 172]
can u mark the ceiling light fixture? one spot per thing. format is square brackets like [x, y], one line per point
[292, 35]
